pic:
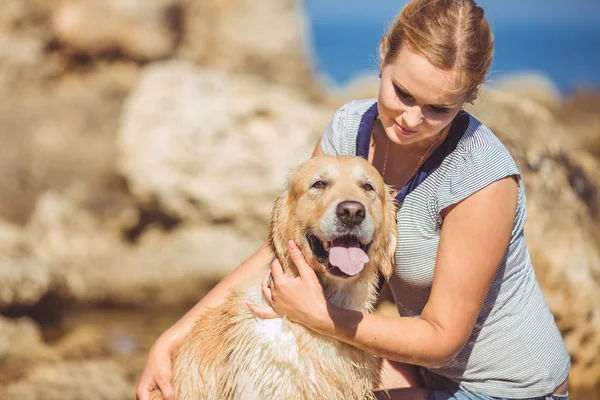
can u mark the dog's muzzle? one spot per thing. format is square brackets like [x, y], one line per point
[343, 239]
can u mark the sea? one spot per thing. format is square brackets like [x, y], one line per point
[568, 54]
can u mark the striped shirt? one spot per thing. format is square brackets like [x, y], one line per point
[515, 349]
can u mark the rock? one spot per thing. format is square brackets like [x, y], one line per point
[66, 132]
[214, 147]
[19, 57]
[21, 347]
[28, 18]
[23, 282]
[362, 86]
[534, 86]
[94, 380]
[581, 114]
[23, 278]
[82, 342]
[259, 37]
[13, 240]
[89, 265]
[166, 271]
[135, 29]
[61, 232]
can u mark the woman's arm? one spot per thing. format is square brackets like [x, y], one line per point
[473, 240]
[157, 371]
[248, 268]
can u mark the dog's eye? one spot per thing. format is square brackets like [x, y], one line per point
[319, 185]
[368, 187]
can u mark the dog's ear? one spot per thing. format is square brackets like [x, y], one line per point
[390, 235]
[278, 236]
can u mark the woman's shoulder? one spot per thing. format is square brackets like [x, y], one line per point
[339, 137]
[479, 159]
[478, 136]
[353, 111]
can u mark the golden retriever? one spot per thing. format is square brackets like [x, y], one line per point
[343, 219]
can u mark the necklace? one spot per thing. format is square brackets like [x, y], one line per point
[419, 164]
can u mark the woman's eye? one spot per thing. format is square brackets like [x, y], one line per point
[402, 94]
[368, 187]
[439, 110]
[319, 185]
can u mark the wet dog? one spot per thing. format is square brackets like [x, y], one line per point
[343, 219]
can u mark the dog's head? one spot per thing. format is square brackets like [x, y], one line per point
[342, 217]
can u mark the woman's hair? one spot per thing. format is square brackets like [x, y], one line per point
[450, 34]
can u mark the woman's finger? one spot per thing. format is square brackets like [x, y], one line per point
[262, 312]
[142, 392]
[277, 271]
[164, 384]
[303, 268]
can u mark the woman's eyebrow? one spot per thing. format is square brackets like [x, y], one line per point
[399, 86]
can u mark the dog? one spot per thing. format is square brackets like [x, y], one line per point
[343, 218]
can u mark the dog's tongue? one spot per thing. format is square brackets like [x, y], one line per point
[347, 256]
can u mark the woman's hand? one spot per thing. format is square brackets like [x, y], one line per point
[299, 299]
[157, 371]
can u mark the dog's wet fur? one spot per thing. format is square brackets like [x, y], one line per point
[231, 354]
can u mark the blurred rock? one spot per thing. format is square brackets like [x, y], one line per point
[94, 380]
[65, 68]
[13, 240]
[212, 147]
[21, 347]
[363, 86]
[61, 232]
[27, 17]
[23, 278]
[25, 30]
[533, 86]
[23, 281]
[581, 115]
[19, 57]
[82, 342]
[64, 130]
[262, 37]
[165, 271]
[135, 29]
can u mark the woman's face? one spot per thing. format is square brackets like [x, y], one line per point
[416, 100]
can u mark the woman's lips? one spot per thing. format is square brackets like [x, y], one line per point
[402, 131]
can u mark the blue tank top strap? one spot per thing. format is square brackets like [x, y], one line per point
[458, 128]
[363, 139]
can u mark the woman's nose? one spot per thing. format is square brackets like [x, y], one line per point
[412, 117]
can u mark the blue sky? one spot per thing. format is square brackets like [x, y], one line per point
[497, 11]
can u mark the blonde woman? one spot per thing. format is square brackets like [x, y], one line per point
[474, 323]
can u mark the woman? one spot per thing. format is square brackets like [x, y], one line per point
[474, 322]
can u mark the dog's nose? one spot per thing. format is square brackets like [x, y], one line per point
[351, 212]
